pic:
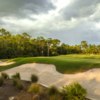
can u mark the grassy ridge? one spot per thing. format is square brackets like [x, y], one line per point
[64, 64]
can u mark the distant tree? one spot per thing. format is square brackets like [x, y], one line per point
[20, 45]
[3, 32]
[84, 46]
[49, 44]
[41, 42]
[26, 35]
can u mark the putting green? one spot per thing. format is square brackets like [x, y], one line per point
[64, 64]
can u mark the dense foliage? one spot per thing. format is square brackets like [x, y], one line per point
[74, 91]
[18, 45]
[34, 78]
[4, 75]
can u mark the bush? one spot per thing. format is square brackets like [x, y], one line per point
[5, 76]
[19, 85]
[34, 88]
[74, 91]
[1, 80]
[34, 78]
[14, 81]
[53, 90]
[16, 76]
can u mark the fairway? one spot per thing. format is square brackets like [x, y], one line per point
[64, 64]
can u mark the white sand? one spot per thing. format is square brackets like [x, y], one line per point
[49, 76]
[5, 63]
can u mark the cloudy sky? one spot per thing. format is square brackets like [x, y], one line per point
[71, 21]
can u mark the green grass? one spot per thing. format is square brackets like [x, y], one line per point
[64, 63]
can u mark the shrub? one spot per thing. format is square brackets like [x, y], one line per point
[74, 91]
[1, 80]
[34, 88]
[16, 76]
[19, 85]
[5, 76]
[34, 78]
[53, 90]
[14, 81]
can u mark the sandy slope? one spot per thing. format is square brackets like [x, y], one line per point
[5, 63]
[49, 76]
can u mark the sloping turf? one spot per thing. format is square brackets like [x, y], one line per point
[64, 64]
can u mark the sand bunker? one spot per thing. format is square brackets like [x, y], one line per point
[5, 63]
[49, 76]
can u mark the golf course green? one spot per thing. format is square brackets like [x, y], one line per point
[64, 63]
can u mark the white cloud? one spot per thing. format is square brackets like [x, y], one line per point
[69, 20]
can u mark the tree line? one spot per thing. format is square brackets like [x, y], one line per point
[19, 45]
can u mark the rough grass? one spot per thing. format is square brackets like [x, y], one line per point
[64, 63]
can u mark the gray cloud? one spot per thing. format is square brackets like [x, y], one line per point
[24, 7]
[80, 8]
[84, 31]
[70, 24]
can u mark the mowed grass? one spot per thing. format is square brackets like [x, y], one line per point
[64, 64]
